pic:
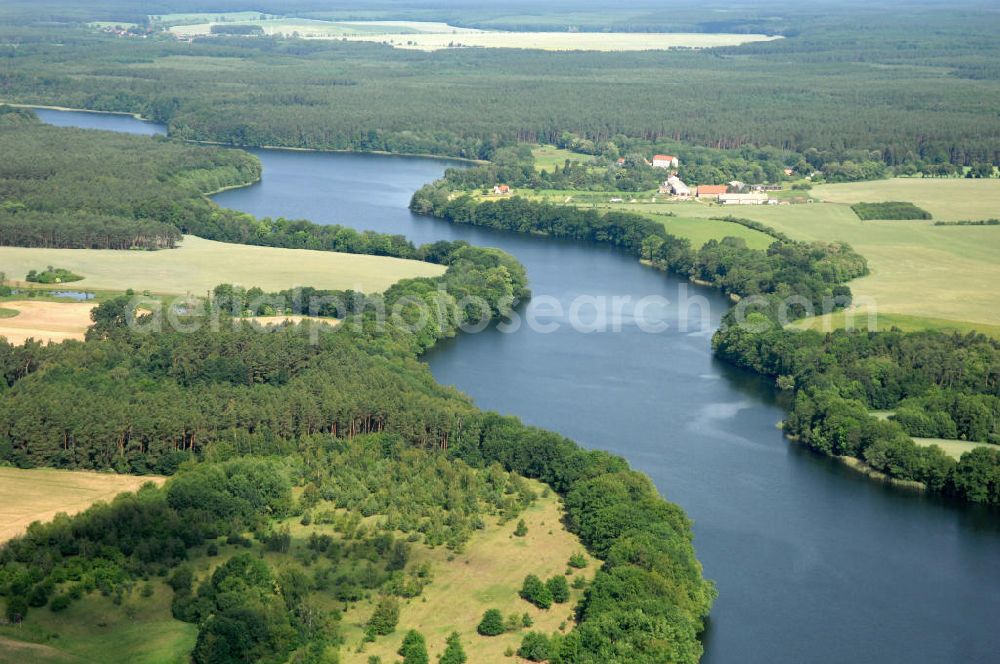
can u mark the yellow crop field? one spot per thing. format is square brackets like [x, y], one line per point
[38, 494]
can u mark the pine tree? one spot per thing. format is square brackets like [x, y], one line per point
[453, 652]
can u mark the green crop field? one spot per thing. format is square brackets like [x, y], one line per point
[488, 574]
[199, 265]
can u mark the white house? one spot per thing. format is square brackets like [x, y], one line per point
[665, 161]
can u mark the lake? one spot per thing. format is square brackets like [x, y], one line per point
[814, 562]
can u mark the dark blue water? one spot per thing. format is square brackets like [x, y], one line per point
[814, 563]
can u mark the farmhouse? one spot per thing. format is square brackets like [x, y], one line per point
[502, 190]
[665, 161]
[744, 199]
[711, 191]
[676, 187]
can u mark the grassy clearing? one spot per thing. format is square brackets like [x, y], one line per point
[199, 265]
[38, 494]
[487, 575]
[953, 448]
[45, 321]
[547, 157]
[8, 313]
[96, 631]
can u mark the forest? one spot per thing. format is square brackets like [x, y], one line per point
[786, 95]
[116, 191]
[163, 401]
[938, 384]
[74, 188]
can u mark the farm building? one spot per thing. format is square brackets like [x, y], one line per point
[665, 161]
[744, 199]
[502, 190]
[711, 191]
[676, 187]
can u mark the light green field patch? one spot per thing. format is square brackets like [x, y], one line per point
[953, 448]
[198, 265]
[8, 313]
[700, 231]
[950, 199]
[547, 157]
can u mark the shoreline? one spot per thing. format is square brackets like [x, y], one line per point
[141, 118]
[136, 116]
[862, 467]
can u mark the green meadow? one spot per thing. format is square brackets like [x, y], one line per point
[922, 275]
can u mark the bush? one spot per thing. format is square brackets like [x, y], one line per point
[578, 561]
[535, 647]
[59, 603]
[491, 624]
[521, 530]
[414, 648]
[52, 275]
[536, 592]
[17, 608]
[559, 588]
[385, 617]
